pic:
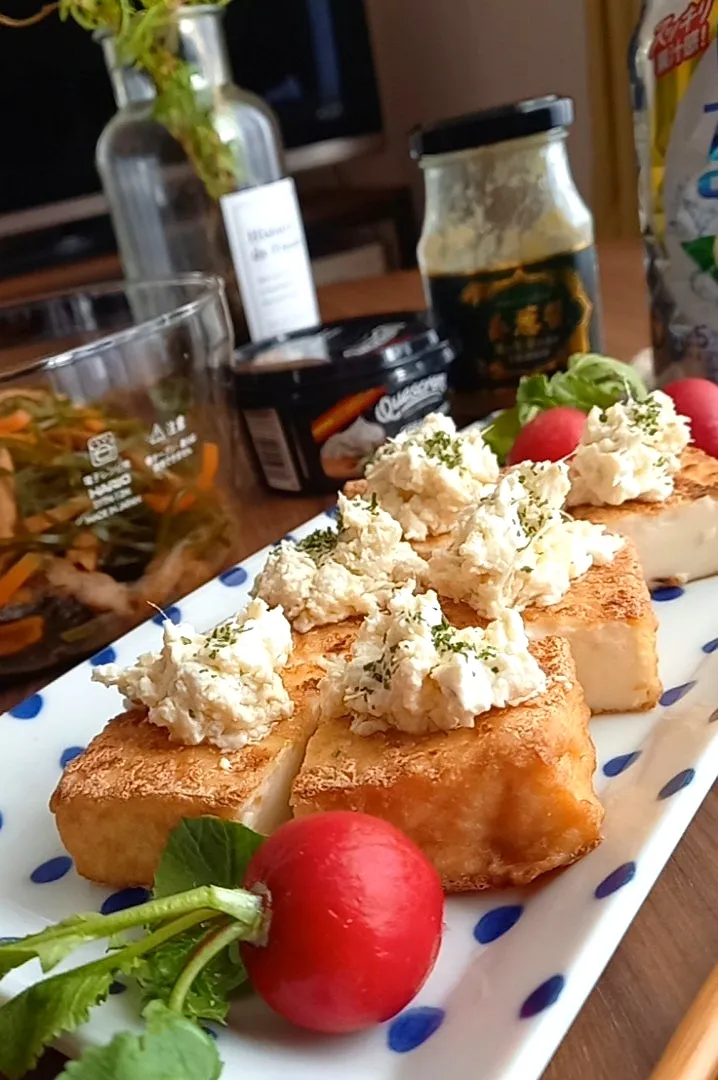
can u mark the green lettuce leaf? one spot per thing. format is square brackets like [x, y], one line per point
[171, 1049]
[589, 380]
[501, 434]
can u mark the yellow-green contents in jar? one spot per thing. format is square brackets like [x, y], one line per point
[507, 251]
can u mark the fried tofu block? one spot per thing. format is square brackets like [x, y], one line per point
[318, 644]
[676, 540]
[609, 622]
[116, 804]
[491, 806]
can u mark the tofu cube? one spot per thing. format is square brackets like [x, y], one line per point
[117, 803]
[676, 540]
[491, 806]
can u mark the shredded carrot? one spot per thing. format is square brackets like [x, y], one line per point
[19, 437]
[94, 425]
[14, 578]
[40, 523]
[162, 503]
[210, 464]
[14, 422]
[18, 635]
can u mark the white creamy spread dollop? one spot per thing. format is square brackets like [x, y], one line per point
[411, 670]
[426, 476]
[335, 574]
[518, 547]
[223, 687]
[631, 450]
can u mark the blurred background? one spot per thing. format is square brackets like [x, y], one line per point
[347, 79]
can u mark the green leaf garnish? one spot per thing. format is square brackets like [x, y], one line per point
[208, 997]
[589, 380]
[199, 851]
[501, 435]
[187, 956]
[205, 851]
[172, 1048]
[38, 1015]
[319, 544]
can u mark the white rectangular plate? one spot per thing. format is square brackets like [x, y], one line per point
[515, 967]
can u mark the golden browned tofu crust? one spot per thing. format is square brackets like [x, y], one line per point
[317, 644]
[611, 593]
[491, 806]
[698, 477]
[608, 619]
[117, 802]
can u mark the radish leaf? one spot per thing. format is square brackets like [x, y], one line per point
[205, 851]
[171, 1049]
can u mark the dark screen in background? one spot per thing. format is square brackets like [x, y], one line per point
[311, 59]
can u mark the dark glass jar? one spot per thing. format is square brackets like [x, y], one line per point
[507, 250]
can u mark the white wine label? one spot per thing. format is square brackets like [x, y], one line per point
[269, 250]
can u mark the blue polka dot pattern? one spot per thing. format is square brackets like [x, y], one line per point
[677, 783]
[543, 997]
[70, 754]
[674, 695]
[616, 880]
[497, 922]
[104, 656]
[711, 646]
[236, 575]
[617, 765]
[52, 870]
[117, 988]
[332, 512]
[414, 1027]
[125, 898]
[669, 592]
[172, 613]
[29, 708]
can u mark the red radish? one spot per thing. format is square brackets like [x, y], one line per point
[698, 400]
[355, 921]
[550, 436]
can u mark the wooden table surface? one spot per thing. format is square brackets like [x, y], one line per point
[673, 943]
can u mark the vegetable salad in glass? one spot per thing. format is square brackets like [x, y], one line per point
[115, 462]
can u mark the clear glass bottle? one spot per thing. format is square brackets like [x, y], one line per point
[507, 249]
[164, 219]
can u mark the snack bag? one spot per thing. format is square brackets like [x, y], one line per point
[674, 75]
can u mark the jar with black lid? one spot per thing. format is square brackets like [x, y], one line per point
[507, 250]
[316, 405]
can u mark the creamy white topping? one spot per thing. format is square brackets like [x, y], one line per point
[517, 547]
[429, 474]
[356, 441]
[629, 451]
[337, 573]
[223, 687]
[411, 670]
